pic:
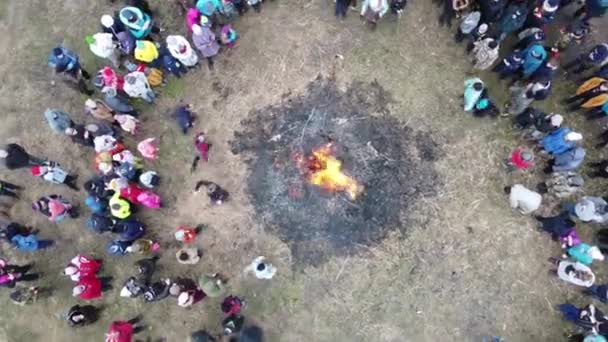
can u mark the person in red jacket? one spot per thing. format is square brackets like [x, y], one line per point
[202, 146]
[521, 159]
[90, 287]
[82, 266]
[123, 331]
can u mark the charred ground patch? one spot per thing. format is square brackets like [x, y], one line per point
[392, 162]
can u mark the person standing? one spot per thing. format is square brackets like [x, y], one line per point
[597, 56]
[102, 45]
[205, 41]
[485, 53]
[66, 62]
[341, 8]
[261, 269]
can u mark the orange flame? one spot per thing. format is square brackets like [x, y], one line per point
[324, 170]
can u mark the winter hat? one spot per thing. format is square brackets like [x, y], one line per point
[36, 170]
[573, 136]
[197, 30]
[107, 21]
[70, 270]
[596, 253]
[89, 40]
[556, 120]
[184, 299]
[57, 51]
[90, 103]
[482, 29]
[204, 20]
[77, 290]
[175, 290]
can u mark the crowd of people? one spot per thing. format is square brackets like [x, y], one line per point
[140, 58]
[529, 64]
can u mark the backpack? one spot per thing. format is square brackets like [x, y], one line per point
[130, 230]
[100, 223]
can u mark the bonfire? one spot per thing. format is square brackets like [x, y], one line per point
[323, 169]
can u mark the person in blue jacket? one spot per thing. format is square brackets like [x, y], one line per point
[560, 140]
[534, 56]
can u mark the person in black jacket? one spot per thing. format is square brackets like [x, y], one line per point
[9, 189]
[14, 156]
[79, 316]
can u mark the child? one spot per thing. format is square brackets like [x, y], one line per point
[216, 194]
[256, 4]
[148, 148]
[485, 106]
[187, 234]
[149, 179]
[473, 89]
[228, 35]
[183, 116]
[521, 159]
[202, 146]
[232, 305]
[53, 173]
[128, 123]
[261, 269]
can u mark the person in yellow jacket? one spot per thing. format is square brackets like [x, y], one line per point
[592, 93]
[119, 207]
[145, 51]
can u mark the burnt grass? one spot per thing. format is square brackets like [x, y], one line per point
[393, 162]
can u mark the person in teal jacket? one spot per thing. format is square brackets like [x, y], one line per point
[209, 7]
[473, 88]
[534, 56]
[585, 254]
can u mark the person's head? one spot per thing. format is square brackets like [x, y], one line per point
[70, 270]
[183, 256]
[595, 253]
[107, 21]
[58, 53]
[261, 267]
[77, 290]
[478, 86]
[3, 154]
[70, 131]
[493, 44]
[556, 120]
[604, 86]
[507, 190]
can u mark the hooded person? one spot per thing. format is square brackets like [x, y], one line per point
[181, 50]
[484, 53]
[137, 22]
[569, 160]
[188, 256]
[88, 288]
[512, 20]
[473, 88]
[491, 10]
[148, 148]
[560, 141]
[534, 56]
[82, 266]
[373, 10]
[53, 173]
[183, 116]
[585, 254]
[575, 273]
[58, 121]
[149, 179]
[212, 285]
[79, 316]
[118, 247]
[14, 156]
[520, 100]
[127, 123]
[523, 199]
[100, 223]
[510, 64]
[130, 229]
[54, 207]
[136, 85]
[102, 45]
[597, 56]
[590, 209]
[99, 110]
[193, 17]
[157, 291]
[80, 134]
[205, 41]
[216, 194]
[468, 24]
[109, 81]
[261, 269]
[146, 51]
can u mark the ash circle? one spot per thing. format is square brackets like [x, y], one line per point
[393, 162]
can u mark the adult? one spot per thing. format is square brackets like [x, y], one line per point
[99, 110]
[592, 9]
[157, 291]
[573, 272]
[598, 169]
[560, 141]
[589, 209]
[138, 22]
[181, 50]
[592, 93]
[491, 10]
[206, 42]
[520, 100]
[261, 269]
[53, 173]
[484, 53]
[534, 56]
[64, 61]
[88, 288]
[136, 85]
[123, 331]
[119, 208]
[183, 116]
[11, 274]
[188, 256]
[217, 195]
[55, 207]
[373, 10]
[597, 56]
[80, 134]
[558, 226]
[563, 184]
[212, 285]
[110, 24]
[523, 199]
[103, 46]
[585, 254]
[9, 189]
[79, 316]
[510, 64]
[342, 8]
[513, 19]
[58, 120]
[14, 156]
[146, 51]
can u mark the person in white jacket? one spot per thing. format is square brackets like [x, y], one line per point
[181, 50]
[136, 85]
[523, 199]
[102, 45]
[373, 10]
[574, 272]
[261, 269]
